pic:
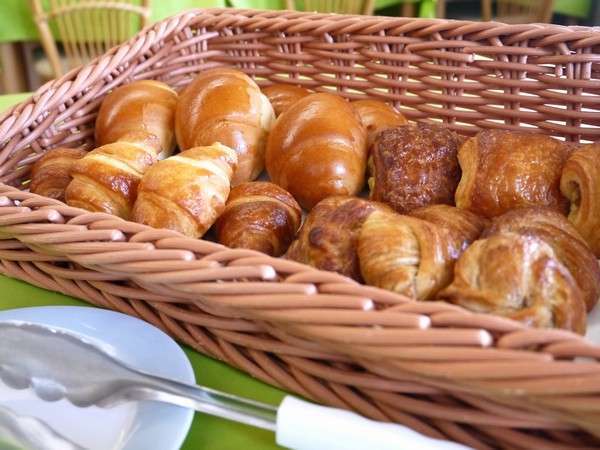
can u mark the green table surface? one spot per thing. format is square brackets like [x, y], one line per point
[206, 432]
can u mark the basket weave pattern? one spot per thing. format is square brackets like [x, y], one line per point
[477, 379]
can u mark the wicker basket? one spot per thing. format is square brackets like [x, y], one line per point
[481, 380]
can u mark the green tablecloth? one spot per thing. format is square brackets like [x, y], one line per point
[206, 432]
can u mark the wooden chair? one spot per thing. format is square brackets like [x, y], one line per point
[86, 28]
[365, 7]
[518, 11]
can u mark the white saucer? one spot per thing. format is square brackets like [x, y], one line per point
[132, 426]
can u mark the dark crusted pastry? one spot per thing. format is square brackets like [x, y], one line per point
[327, 239]
[415, 165]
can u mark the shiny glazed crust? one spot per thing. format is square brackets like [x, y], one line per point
[226, 106]
[520, 277]
[503, 170]
[51, 174]
[580, 184]
[282, 96]
[377, 116]
[317, 149]
[415, 165]
[259, 216]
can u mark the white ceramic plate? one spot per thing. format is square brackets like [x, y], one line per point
[131, 426]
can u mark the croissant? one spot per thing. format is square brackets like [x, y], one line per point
[580, 184]
[51, 174]
[186, 192]
[226, 106]
[502, 170]
[317, 149]
[404, 254]
[140, 112]
[327, 239]
[259, 216]
[139, 116]
[463, 226]
[282, 96]
[377, 116]
[520, 277]
[569, 247]
[415, 165]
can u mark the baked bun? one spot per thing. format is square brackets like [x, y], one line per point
[317, 149]
[225, 105]
[520, 277]
[186, 192]
[580, 184]
[259, 216]
[282, 96]
[51, 174]
[415, 165]
[503, 170]
[377, 116]
[328, 238]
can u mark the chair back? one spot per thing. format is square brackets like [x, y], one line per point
[86, 28]
[519, 11]
[333, 6]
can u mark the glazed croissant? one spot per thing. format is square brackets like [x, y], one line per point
[51, 174]
[225, 105]
[282, 96]
[404, 254]
[328, 237]
[502, 170]
[186, 192]
[377, 116]
[520, 277]
[415, 165]
[317, 149]
[259, 216]
[569, 247]
[140, 117]
[580, 184]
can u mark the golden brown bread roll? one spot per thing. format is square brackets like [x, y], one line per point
[317, 149]
[282, 96]
[226, 106]
[139, 116]
[404, 254]
[259, 216]
[502, 170]
[51, 174]
[463, 226]
[142, 112]
[415, 165]
[377, 116]
[569, 247]
[186, 192]
[327, 239]
[580, 184]
[520, 277]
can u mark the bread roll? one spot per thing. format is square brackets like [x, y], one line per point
[134, 128]
[282, 96]
[140, 112]
[328, 237]
[259, 216]
[377, 116]
[225, 105]
[415, 165]
[520, 277]
[580, 184]
[569, 247]
[186, 192]
[404, 254]
[51, 174]
[502, 170]
[317, 149]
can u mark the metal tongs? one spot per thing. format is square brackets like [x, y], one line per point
[57, 364]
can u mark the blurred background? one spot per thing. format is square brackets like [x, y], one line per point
[43, 39]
